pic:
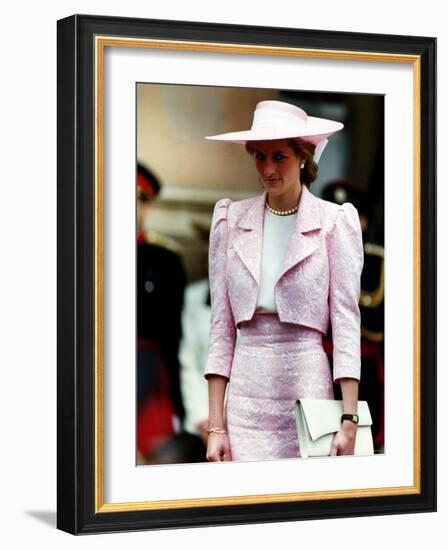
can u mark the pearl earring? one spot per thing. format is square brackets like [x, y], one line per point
[302, 165]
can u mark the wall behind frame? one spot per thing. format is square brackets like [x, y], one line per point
[28, 277]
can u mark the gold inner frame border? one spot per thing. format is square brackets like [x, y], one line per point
[100, 44]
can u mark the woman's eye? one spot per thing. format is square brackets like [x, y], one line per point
[279, 157]
[259, 156]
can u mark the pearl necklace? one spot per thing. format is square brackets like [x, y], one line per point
[282, 212]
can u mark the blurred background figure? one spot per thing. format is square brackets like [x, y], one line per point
[160, 288]
[194, 350]
[371, 305]
[193, 357]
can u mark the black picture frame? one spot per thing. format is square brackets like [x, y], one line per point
[80, 507]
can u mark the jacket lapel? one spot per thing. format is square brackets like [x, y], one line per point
[249, 241]
[303, 241]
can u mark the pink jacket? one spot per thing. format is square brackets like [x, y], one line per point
[319, 281]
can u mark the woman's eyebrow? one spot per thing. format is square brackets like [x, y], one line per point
[279, 152]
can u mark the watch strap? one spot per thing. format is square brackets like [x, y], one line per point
[352, 417]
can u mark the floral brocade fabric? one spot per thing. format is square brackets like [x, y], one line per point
[274, 364]
[279, 358]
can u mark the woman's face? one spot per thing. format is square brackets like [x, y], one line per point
[277, 165]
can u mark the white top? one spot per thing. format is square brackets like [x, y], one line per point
[277, 231]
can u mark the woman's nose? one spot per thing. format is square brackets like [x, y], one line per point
[268, 168]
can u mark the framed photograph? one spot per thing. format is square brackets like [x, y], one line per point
[141, 196]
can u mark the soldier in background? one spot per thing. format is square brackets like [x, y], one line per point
[160, 289]
[371, 303]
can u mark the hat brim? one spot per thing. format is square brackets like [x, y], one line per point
[316, 130]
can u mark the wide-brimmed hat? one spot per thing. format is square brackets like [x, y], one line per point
[280, 120]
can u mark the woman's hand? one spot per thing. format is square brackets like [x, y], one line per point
[344, 440]
[218, 448]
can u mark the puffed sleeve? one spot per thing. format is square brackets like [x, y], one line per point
[222, 326]
[346, 258]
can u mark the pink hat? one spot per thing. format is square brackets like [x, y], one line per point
[280, 120]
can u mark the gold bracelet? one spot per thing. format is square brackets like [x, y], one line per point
[216, 431]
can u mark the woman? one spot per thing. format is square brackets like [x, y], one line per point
[282, 266]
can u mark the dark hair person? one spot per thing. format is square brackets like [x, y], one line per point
[160, 283]
[282, 266]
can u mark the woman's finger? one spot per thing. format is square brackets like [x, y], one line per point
[334, 447]
[215, 455]
[226, 456]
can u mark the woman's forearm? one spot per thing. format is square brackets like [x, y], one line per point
[216, 392]
[349, 389]
[345, 439]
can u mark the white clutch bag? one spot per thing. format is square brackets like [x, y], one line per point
[319, 419]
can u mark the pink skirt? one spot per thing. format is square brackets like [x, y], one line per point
[274, 364]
